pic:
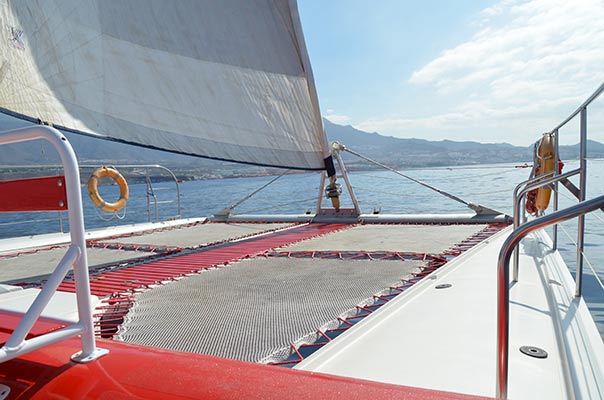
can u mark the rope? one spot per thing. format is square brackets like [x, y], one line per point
[442, 192]
[34, 251]
[111, 216]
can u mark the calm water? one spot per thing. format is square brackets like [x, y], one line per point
[487, 185]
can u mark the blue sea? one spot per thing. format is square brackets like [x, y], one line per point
[489, 185]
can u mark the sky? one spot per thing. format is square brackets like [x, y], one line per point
[487, 71]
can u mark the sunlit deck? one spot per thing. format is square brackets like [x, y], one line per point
[445, 335]
[334, 298]
[294, 279]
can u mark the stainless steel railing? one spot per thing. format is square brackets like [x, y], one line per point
[153, 203]
[151, 196]
[519, 196]
[503, 279]
[537, 182]
[521, 230]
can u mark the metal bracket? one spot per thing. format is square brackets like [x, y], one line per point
[223, 214]
[82, 358]
[571, 187]
[482, 210]
[335, 153]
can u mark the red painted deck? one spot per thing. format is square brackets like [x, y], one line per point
[9, 322]
[130, 371]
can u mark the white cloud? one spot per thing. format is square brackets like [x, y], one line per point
[332, 116]
[536, 60]
[476, 116]
[495, 10]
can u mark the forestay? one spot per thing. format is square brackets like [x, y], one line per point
[225, 79]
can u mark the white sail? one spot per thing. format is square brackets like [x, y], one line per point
[225, 79]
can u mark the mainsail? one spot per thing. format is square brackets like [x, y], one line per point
[227, 79]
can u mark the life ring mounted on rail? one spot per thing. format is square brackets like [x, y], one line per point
[93, 189]
[537, 200]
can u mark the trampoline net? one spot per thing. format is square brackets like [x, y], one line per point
[254, 309]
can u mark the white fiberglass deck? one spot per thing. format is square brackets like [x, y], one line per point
[445, 339]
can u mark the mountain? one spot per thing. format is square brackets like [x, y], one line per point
[86, 148]
[395, 152]
[96, 152]
[411, 153]
[404, 153]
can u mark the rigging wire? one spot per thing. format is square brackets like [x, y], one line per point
[493, 192]
[492, 173]
[387, 178]
[574, 242]
[468, 167]
[595, 215]
[584, 257]
[249, 196]
[272, 207]
[402, 195]
[452, 197]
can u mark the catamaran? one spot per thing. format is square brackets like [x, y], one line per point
[324, 304]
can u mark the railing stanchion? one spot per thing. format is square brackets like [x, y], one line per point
[519, 196]
[503, 281]
[556, 185]
[76, 257]
[582, 189]
[521, 230]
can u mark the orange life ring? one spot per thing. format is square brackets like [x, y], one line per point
[93, 189]
[545, 163]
